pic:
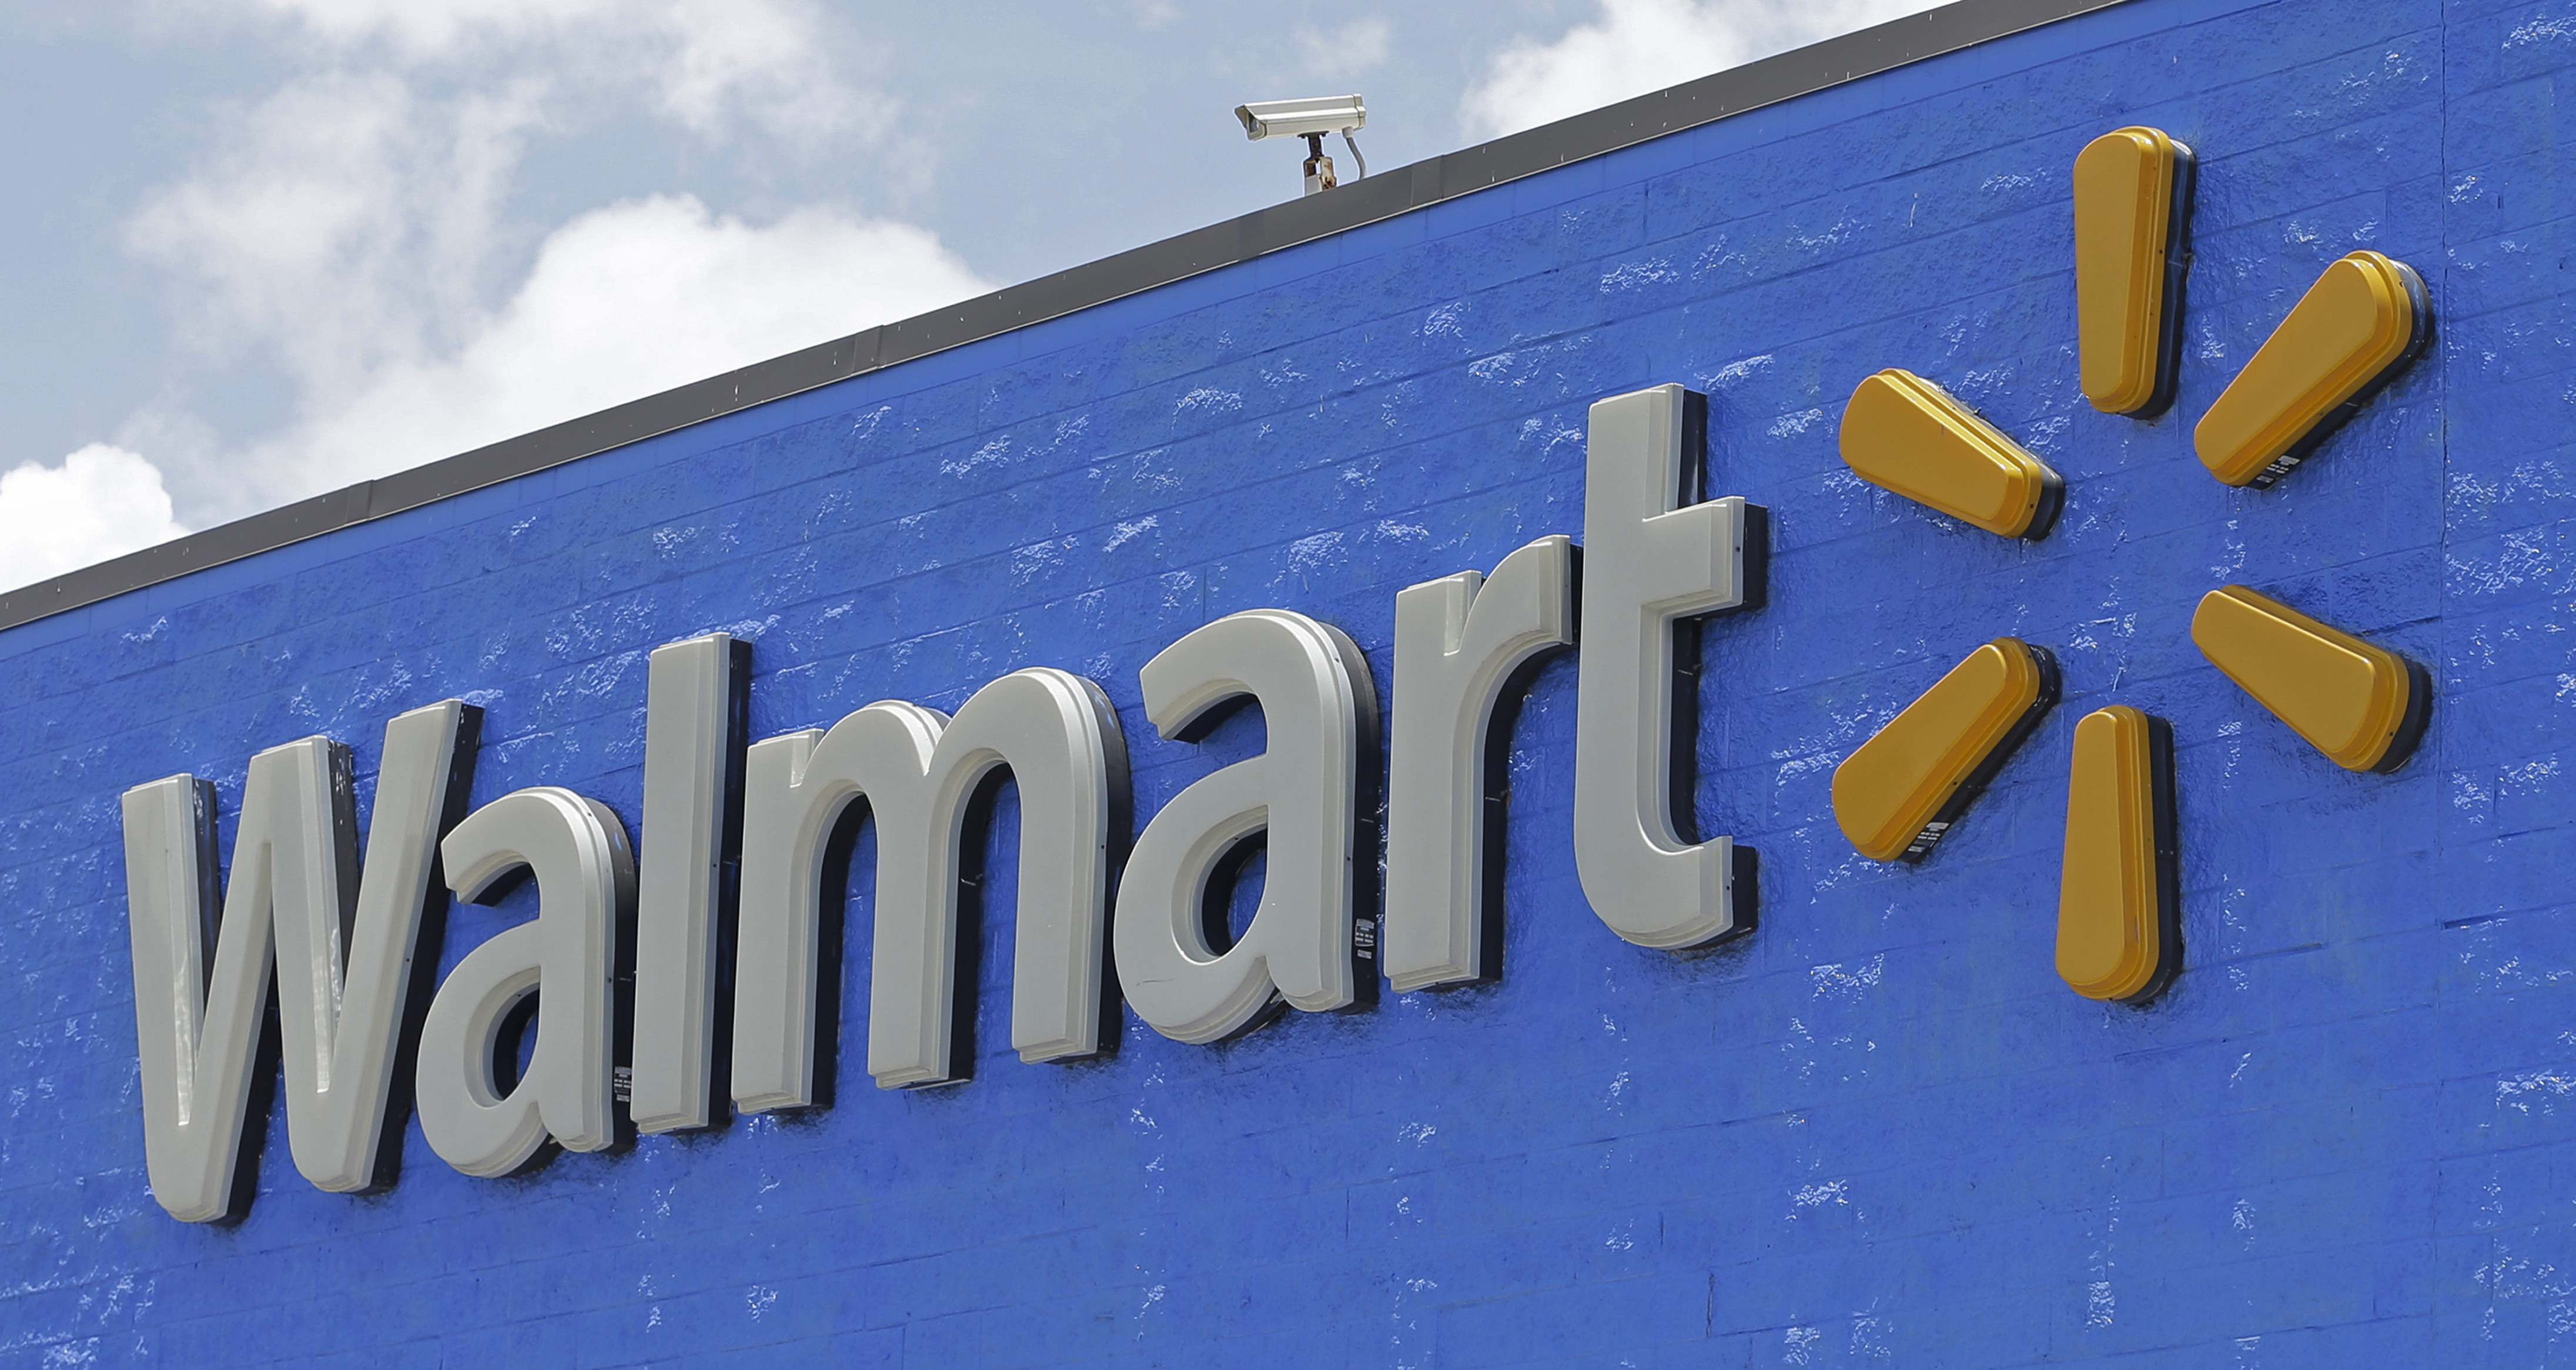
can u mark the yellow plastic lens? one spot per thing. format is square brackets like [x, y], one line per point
[2130, 188]
[2363, 320]
[2361, 705]
[1903, 433]
[2115, 914]
[1898, 793]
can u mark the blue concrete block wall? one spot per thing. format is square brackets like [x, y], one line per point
[1879, 1130]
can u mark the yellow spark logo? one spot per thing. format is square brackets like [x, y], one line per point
[2363, 706]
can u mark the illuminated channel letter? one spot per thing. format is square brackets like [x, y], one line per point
[2363, 321]
[2363, 706]
[1316, 700]
[1903, 789]
[1652, 554]
[692, 755]
[2132, 199]
[297, 890]
[1457, 641]
[575, 850]
[919, 769]
[1903, 433]
[2118, 936]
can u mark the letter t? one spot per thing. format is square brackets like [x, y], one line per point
[1649, 559]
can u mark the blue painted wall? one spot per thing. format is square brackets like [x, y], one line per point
[1879, 1130]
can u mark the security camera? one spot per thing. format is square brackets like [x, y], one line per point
[1302, 118]
[1309, 119]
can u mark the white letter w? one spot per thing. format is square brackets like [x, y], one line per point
[344, 963]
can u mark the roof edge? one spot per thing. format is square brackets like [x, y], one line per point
[1386, 195]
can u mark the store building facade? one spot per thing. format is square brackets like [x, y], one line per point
[1563, 1020]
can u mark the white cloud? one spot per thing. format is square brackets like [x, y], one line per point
[624, 301]
[346, 222]
[351, 232]
[433, 25]
[101, 502]
[350, 235]
[706, 60]
[1353, 48]
[1636, 46]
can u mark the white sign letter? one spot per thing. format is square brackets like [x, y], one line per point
[294, 868]
[575, 849]
[1316, 699]
[1651, 555]
[691, 754]
[918, 769]
[1457, 640]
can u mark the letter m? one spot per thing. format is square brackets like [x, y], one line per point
[342, 941]
[917, 769]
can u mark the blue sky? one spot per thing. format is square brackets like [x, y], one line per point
[267, 248]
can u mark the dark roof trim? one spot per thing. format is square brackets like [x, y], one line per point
[1383, 196]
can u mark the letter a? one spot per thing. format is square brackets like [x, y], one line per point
[1317, 702]
[576, 851]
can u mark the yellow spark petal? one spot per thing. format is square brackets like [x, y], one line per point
[2132, 187]
[2363, 706]
[1902, 789]
[2354, 330]
[2117, 936]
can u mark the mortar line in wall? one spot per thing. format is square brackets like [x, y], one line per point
[2442, 543]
